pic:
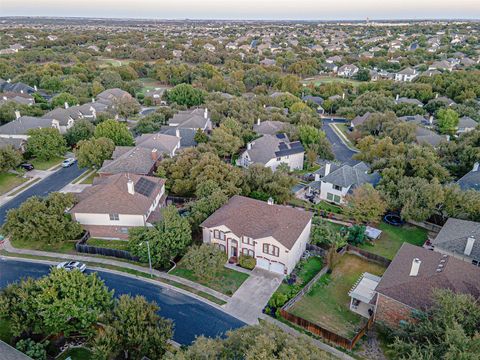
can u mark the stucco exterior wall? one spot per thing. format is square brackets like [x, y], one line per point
[326, 188]
[294, 162]
[104, 220]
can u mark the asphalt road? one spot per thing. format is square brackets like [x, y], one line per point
[191, 317]
[52, 183]
[341, 151]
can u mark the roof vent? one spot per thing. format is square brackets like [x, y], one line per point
[469, 246]
[415, 267]
[130, 187]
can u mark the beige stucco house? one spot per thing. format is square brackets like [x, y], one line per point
[275, 235]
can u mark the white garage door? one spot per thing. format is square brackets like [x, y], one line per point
[263, 264]
[277, 268]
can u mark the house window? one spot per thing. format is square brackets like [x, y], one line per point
[124, 230]
[247, 240]
[218, 234]
[279, 158]
[476, 262]
[114, 217]
[333, 198]
[221, 247]
[336, 187]
[248, 252]
[271, 249]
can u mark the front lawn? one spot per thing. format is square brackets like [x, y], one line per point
[89, 178]
[110, 244]
[45, 164]
[67, 247]
[393, 237]
[226, 281]
[10, 181]
[328, 303]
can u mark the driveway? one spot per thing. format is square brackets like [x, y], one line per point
[52, 183]
[249, 300]
[341, 151]
[191, 317]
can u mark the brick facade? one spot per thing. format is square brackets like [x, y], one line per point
[108, 232]
[390, 312]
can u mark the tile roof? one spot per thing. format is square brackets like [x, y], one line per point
[257, 219]
[454, 235]
[416, 291]
[110, 195]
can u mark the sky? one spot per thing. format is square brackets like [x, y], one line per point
[246, 9]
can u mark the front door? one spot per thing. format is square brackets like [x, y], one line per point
[233, 248]
[234, 251]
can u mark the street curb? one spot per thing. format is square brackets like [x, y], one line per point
[341, 136]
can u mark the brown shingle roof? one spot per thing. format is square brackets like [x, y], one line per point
[109, 195]
[416, 291]
[257, 219]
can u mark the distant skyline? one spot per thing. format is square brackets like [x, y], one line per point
[246, 9]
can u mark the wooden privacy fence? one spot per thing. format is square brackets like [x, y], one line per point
[368, 255]
[325, 333]
[83, 247]
[305, 289]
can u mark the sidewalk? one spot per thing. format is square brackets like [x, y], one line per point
[9, 248]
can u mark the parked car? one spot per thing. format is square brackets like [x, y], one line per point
[72, 265]
[68, 162]
[27, 166]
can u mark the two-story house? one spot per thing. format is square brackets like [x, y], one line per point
[118, 202]
[406, 75]
[275, 235]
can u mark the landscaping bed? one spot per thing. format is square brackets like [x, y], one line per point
[226, 281]
[392, 239]
[10, 181]
[328, 303]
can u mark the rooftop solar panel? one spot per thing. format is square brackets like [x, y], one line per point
[144, 187]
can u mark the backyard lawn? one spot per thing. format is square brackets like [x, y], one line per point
[226, 281]
[76, 354]
[9, 181]
[111, 244]
[45, 164]
[319, 80]
[393, 237]
[327, 304]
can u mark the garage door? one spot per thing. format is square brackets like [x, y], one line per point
[277, 268]
[263, 264]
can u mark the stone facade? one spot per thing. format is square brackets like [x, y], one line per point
[390, 312]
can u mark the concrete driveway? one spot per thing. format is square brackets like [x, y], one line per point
[249, 300]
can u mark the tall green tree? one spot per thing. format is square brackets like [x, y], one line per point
[62, 98]
[115, 131]
[205, 260]
[185, 94]
[133, 329]
[365, 204]
[43, 220]
[46, 143]
[93, 152]
[447, 120]
[9, 158]
[83, 129]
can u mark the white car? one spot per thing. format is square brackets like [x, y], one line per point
[72, 265]
[68, 162]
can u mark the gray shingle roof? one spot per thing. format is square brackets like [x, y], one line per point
[272, 146]
[187, 136]
[269, 127]
[470, 181]
[21, 125]
[466, 122]
[347, 176]
[9, 353]
[136, 160]
[454, 234]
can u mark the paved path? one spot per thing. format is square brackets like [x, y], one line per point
[51, 183]
[339, 148]
[191, 316]
[251, 297]
[90, 259]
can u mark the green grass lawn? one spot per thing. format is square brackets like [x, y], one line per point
[328, 303]
[393, 237]
[9, 181]
[46, 164]
[67, 247]
[76, 354]
[323, 205]
[226, 281]
[89, 178]
[5, 333]
[319, 80]
[111, 244]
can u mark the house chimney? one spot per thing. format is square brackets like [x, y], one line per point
[5, 98]
[17, 114]
[398, 96]
[9, 81]
[154, 154]
[258, 121]
[343, 96]
[21, 91]
[270, 201]
[436, 96]
[317, 177]
[177, 132]
[249, 146]
[415, 267]
[476, 166]
[469, 246]
[130, 187]
[430, 120]
[66, 105]
[93, 99]
[327, 168]
[448, 137]
[205, 114]
[35, 87]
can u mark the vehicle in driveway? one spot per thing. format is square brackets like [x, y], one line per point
[68, 162]
[27, 166]
[72, 265]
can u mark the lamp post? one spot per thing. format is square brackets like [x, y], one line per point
[149, 258]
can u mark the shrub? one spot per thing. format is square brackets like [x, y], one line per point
[247, 262]
[35, 350]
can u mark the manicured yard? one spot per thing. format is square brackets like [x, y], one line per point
[111, 244]
[226, 281]
[67, 247]
[327, 304]
[9, 181]
[5, 334]
[318, 80]
[323, 205]
[76, 354]
[393, 237]
[89, 179]
[45, 164]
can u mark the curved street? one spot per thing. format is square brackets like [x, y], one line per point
[191, 317]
